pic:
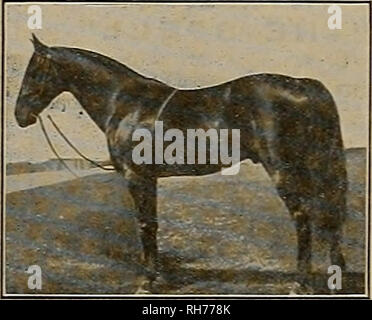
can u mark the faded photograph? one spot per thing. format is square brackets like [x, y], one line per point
[186, 149]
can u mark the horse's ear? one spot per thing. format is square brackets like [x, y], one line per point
[38, 45]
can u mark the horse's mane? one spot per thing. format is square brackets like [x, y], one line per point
[103, 61]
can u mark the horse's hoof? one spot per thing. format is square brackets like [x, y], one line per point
[159, 284]
[300, 289]
[338, 259]
[141, 290]
[153, 286]
[144, 287]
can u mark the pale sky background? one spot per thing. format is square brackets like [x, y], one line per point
[188, 46]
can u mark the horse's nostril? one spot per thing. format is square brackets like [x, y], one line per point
[24, 118]
[22, 124]
[21, 121]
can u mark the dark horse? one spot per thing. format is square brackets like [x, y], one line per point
[290, 126]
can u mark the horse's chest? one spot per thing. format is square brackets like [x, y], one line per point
[120, 131]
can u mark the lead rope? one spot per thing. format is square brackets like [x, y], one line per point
[47, 138]
[52, 147]
[96, 164]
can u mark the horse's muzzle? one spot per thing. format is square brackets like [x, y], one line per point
[24, 118]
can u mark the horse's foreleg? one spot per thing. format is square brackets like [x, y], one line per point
[144, 193]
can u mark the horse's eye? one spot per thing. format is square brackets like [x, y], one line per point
[39, 59]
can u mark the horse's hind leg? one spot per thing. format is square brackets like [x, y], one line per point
[303, 241]
[293, 198]
[328, 220]
[336, 255]
[302, 282]
[144, 193]
[301, 216]
[330, 232]
[288, 191]
[334, 220]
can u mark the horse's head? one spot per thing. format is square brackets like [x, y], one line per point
[40, 85]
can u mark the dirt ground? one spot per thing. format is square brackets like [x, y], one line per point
[218, 235]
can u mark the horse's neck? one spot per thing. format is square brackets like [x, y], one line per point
[99, 96]
[92, 103]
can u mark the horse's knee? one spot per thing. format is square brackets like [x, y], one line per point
[148, 233]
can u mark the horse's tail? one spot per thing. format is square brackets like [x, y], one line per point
[327, 160]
